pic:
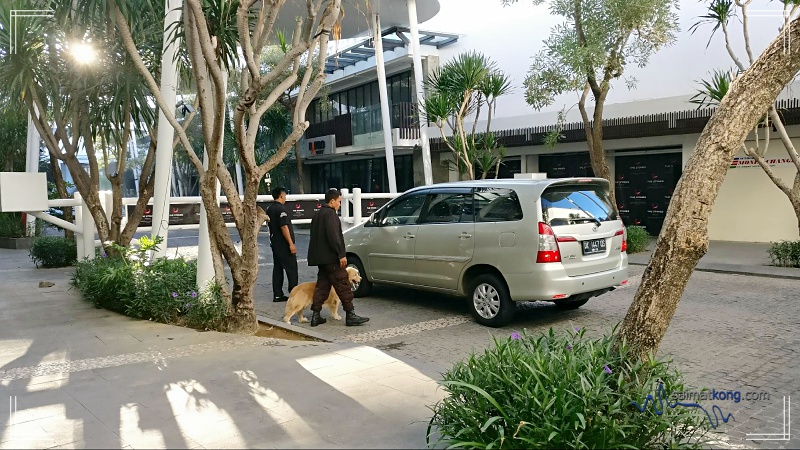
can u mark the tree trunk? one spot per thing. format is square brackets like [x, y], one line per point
[684, 236]
[245, 271]
[299, 162]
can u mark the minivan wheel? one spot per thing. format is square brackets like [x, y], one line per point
[365, 286]
[570, 305]
[490, 302]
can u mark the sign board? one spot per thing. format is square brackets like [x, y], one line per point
[181, 214]
[369, 206]
[23, 192]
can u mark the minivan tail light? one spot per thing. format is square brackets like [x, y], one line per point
[548, 245]
[622, 233]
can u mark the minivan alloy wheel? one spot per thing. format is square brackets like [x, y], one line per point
[486, 300]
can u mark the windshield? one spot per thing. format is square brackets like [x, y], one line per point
[569, 205]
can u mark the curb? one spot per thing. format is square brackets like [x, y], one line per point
[293, 329]
[734, 272]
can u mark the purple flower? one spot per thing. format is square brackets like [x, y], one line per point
[515, 336]
[577, 329]
[569, 347]
[606, 369]
[174, 295]
[194, 294]
[188, 305]
[104, 255]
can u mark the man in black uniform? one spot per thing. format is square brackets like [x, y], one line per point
[327, 251]
[281, 238]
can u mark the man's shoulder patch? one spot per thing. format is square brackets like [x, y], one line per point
[283, 214]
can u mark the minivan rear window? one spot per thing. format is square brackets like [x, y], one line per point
[569, 205]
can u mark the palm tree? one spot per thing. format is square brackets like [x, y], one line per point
[457, 93]
[86, 108]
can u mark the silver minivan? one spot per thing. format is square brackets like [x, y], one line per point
[496, 242]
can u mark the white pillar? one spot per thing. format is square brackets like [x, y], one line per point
[417, 58]
[357, 207]
[345, 209]
[86, 241]
[32, 165]
[79, 224]
[169, 86]
[239, 177]
[387, 125]
[205, 262]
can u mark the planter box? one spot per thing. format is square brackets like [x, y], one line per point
[16, 243]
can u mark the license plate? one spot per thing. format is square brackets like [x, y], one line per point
[593, 246]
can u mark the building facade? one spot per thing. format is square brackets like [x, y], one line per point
[648, 143]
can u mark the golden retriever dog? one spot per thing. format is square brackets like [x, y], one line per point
[302, 296]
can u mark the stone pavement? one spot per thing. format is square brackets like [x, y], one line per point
[72, 376]
[743, 258]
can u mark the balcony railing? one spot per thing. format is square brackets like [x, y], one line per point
[367, 120]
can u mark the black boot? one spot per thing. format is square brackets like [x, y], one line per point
[352, 319]
[316, 319]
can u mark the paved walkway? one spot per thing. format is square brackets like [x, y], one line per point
[731, 257]
[72, 376]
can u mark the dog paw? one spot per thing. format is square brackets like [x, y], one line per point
[337, 317]
[303, 319]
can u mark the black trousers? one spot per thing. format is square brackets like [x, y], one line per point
[284, 261]
[332, 275]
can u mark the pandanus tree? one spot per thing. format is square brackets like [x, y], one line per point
[457, 94]
[86, 97]
[220, 43]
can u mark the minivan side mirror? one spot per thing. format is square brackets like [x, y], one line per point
[372, 221]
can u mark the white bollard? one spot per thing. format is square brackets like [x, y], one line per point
[356, 207]
[345, 216]
[79, 224]
[88, 231]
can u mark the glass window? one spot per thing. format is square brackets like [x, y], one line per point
[405, 212]
[568, 205]
[449, 208]
[497, 205]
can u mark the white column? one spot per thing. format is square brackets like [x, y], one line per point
[32, 165]
[387, 126]
[205, 262]
[357, 207]
[417, 58]
[345, 209]
[169, 86]
[79, 224]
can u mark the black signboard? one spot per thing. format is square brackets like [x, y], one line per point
[566, 165]
[181, 214]
[644, 186]
[369, 206]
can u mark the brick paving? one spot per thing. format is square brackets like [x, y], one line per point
[730, 332]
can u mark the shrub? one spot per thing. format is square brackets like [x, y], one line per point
[107, 282]
[53, 251]
[163, 290]
[561, 391]
[637, 238]
[785, 253]
[11, 225]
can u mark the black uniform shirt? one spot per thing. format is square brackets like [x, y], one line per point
[278, 217]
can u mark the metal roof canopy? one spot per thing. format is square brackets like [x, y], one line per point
[356, 21]
[366, 48]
